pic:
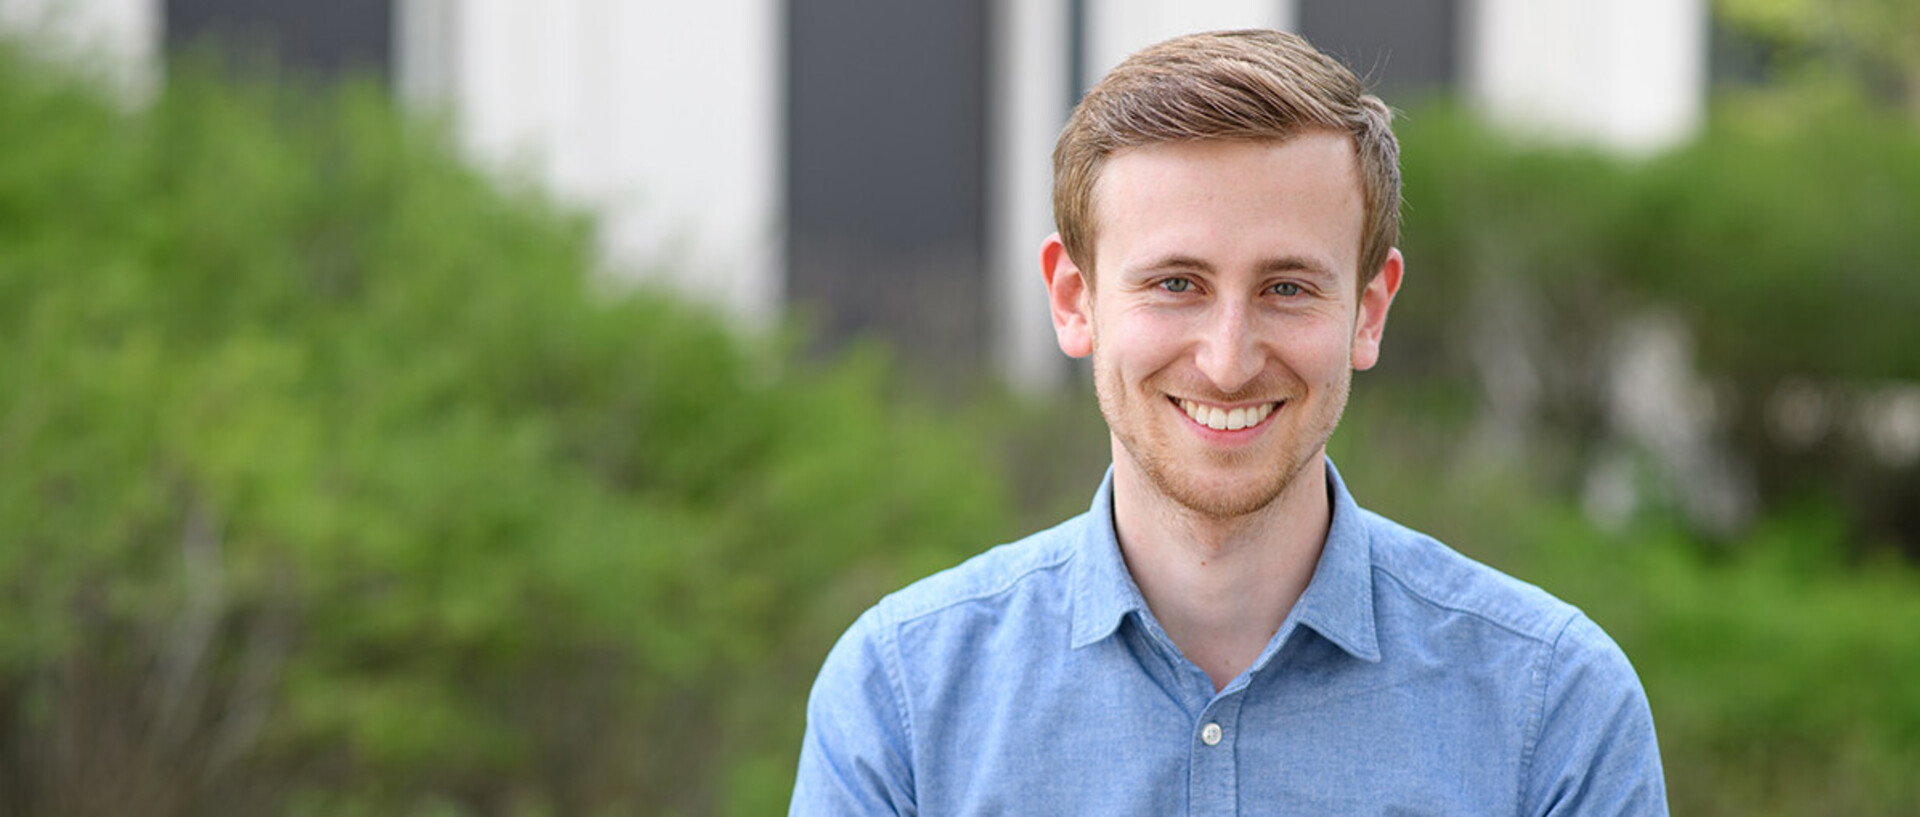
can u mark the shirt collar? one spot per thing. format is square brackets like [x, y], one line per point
[1103, 590]
[1337, 604]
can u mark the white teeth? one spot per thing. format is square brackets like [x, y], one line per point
[1220, 419]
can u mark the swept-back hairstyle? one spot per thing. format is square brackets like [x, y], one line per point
[1253, 85]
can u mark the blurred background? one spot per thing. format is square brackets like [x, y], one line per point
[472, 407]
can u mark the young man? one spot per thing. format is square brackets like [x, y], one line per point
[1225, 631]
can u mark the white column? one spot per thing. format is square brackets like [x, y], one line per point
[1029, 76]
[664, 118]
[424, 50]
[1629, 75]
[1116, 28]
[116, 40]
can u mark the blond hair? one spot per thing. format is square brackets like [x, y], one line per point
[1253, 85]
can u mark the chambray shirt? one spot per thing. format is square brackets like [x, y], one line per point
[1407, 679]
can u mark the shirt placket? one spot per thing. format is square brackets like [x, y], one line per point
[1213, 785]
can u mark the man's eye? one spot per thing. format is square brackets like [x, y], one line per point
[1285, 289]
[1176, 285]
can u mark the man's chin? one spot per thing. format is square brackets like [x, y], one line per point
[1220, 497]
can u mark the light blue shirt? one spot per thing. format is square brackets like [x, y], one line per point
[1408, 679]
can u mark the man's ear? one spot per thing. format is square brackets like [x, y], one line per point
[1371, 322]
[1070, 297]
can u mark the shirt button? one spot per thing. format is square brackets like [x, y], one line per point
[1210, 734]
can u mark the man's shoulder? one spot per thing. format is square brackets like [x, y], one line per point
[1428, 573]
[1587, 731]
[1035, 563]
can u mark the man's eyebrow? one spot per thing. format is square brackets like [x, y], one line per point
[1286, 263]
[1175, 261]
[1299, 263]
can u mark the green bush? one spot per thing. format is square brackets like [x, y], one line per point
[335, 482]
[1783, 233]
[1782, 236]
[1788, 239]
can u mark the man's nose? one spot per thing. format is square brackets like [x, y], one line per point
[1229, 352]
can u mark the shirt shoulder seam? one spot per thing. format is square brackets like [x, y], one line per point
[1556, 630]
[913, 612]
[1537, 717]
[897, 685]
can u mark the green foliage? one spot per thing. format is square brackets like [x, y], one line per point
[335, 482]
[1785, 236]
[1782, 237]
[1800, 232]
[1872, 43]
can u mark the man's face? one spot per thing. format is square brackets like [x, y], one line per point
[1227, 319]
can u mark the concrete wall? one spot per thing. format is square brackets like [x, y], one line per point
[119, 40]
[665, 117]
[1630, 75]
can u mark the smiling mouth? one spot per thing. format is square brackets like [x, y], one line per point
[1220, 419]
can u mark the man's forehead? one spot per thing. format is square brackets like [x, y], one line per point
[1140, 165]
[1142, 186]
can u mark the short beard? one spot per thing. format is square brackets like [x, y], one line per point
[1215, 505]
[1218, 506]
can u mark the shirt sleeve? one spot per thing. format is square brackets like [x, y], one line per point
[1596, 753]
[856, 756]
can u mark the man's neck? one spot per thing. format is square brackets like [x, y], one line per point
[1221, 587]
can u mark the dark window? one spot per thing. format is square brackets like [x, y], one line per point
[323, 39]
[886, 130]
[1401, 48]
